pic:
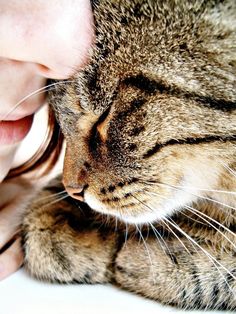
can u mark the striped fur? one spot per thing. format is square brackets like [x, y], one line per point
[150, 127]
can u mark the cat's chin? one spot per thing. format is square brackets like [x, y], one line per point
[143, 218]
[154, 212]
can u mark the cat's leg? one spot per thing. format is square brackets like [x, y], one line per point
[62, 242]
[198, 278]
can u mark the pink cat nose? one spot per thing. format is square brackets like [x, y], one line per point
[76, 192]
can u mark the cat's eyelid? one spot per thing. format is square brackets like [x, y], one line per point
[99, 128]
[103, 117]
[145, 84]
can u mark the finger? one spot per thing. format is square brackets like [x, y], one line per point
[11, 260]
[10, 211]
[9, 224]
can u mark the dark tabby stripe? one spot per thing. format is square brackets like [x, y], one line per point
[225, 306]
[215, 295]
[94, 4]
[150, 87]
[87, 165]
[137, 130]
[189, 141]
[112, 188]
[172, 257]
[129, 205]
[146, 85]
[198, 293]
[135, 105]
[113, 199]
[229, 279]
[232, 227]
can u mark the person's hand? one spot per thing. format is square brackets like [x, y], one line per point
[14, 195]
[39, 40]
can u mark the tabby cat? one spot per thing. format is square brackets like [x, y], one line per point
[150, 127]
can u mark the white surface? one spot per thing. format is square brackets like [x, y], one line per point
[20, 294]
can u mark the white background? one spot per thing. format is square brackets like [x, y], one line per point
[20, 294]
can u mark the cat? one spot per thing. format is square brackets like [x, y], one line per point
[150, 129]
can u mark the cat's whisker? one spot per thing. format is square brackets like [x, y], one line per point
[199, 222]
[141, 202]
[178, 188]
[160, 239]
[198, 196]
[154, 194]
[126, 233]
[147, 235]
[202, 215]
[190, 188]
[52, 196]
[193, 246]
[19, 103]
[217, 222]
[209, 256]
[126, 227]
[233, 172]
[102, 221]
[210, 190]
[168, 227]
[161, 196]
[107, 222]
[34, 93]
[177, 237]
[56, 200]
[116, 223]
[79, 208]
[148, 253]
[213, 200]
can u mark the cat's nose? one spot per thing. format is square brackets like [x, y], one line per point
[76, 192]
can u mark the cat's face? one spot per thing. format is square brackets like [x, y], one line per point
[150, 123]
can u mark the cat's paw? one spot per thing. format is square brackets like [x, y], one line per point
[145, 269]
[48, 241]
[60, 244]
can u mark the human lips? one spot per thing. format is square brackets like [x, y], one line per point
[14, 131]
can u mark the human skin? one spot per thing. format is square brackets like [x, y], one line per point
[39, 40]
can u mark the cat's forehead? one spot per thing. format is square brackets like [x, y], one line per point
[163, 42]
[142, 45]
